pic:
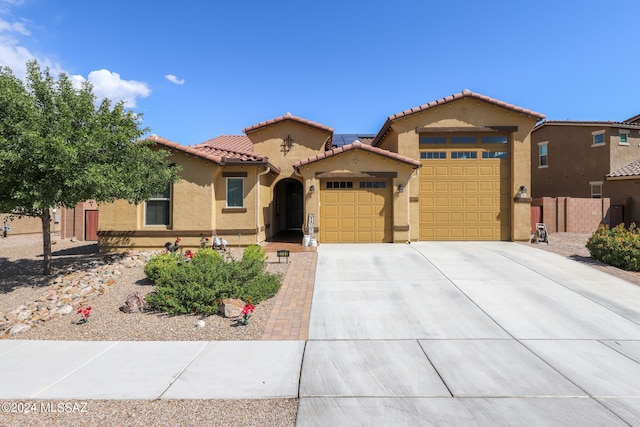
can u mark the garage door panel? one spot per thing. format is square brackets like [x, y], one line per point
[441, 186]
[456, 202]
[441, 202]
[452, 171]
[456, 186]
[456, 217]
[331, 198]
[465, 199]
[361, 215]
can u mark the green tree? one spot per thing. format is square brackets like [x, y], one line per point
[58, 147]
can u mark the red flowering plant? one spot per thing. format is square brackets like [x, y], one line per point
[246, 313]
[85, 312]
[204, 241]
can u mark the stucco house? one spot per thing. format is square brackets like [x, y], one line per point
[451, 169]
[589, 159]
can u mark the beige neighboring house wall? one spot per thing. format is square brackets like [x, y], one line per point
[24, 225]
[288, 166]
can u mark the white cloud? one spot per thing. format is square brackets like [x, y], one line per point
[14, 56]
[174, 79]
[107, 84]
[14, 27]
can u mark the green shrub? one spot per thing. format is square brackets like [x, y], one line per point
[195, 286]
[618, 246]
[161, 267]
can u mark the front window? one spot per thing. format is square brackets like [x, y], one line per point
[543, 157]
[596, 189]
[598, 138]
[235, 192]
[157, 208]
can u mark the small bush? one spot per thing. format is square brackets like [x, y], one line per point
[618, 246]
[195, 286]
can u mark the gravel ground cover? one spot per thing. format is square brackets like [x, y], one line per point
[21, 281]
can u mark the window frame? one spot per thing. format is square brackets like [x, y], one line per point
[596, 195]
[624, 132]
[595, 134]
[166, 200]
[546, 155]
[234, 179]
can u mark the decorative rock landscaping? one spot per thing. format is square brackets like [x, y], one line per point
[70, 291]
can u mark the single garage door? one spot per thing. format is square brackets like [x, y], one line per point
[464, 194]
[356, 211]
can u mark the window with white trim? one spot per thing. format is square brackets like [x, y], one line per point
[598, 138]
[235, 192]
[596, 189]
[543, 154]
[624, 137]
[157, 209]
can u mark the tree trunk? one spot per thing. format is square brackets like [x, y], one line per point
[46, 240]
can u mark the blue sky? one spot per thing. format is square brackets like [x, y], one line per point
[198, 69]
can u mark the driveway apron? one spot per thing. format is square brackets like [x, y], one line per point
[468, 333]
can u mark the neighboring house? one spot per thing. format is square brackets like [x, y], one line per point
[589, 159]
[447, 170]
[80, 222]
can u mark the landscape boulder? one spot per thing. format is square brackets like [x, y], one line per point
[232, 307]
[134, 303]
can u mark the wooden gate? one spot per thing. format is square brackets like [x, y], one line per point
[91, 225]
[616, 215]
[536, 216]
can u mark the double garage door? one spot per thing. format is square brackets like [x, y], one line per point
[356, 211]
[464, 195]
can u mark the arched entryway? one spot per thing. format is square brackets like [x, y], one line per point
[288, 213]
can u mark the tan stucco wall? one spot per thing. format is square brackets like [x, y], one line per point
[122, 224]
[358, 160]
[470, 112]
[307, 141]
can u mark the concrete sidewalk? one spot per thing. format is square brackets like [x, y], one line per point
[149, 370]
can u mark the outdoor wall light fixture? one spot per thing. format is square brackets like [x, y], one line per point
[400, 188]
[312, 189]
[522, 191]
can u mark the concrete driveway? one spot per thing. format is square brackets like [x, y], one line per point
[468, 333]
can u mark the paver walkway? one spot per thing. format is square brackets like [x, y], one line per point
[289, 319]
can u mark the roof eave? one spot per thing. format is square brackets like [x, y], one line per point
[239, 162]
[621, 177]
[442, 101]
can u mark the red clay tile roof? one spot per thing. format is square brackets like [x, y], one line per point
[230, 142]
[630, 170]
[357, 146]
[215, 154]
[287, 116]
[464, 94]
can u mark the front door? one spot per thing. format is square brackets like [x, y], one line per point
[294, 209]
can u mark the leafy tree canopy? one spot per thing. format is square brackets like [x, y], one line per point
[58, 147]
